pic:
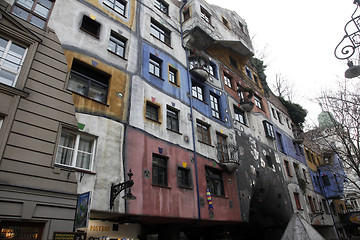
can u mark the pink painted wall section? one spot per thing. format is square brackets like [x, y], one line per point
[173, 201]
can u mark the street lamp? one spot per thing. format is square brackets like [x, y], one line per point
[352, 36]
[116, 189]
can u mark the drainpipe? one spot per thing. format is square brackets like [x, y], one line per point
[191, 110]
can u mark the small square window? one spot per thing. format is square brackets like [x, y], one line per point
[172, 118]
[205, 15]
[75, 150]
[118, 6]
[186, 14]
[162, 6]
[155, 66]
[90, 26]
[173, 75]
[203, 132]
[214, 181]
[117, 44]
[159, 170]
[227, 80]
[160, 32]
[239, 115]
[184, 177]
[152, 111]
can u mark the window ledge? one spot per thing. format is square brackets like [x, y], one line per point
[174, 131]
[157, 76]
[161, 186]
[69, 168]
[186, 188]
[206, 143]
[219, 196]
[107, 105]
[12, 91]
[200, 100]
[117, 55]
[153, 120]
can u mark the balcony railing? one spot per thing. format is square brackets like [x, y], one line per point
[228, 156]
[198, 65]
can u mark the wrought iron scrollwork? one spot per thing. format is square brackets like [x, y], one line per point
[347, 46]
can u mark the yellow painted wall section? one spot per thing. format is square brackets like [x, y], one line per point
[222, 54]
[131, 8]
[118, 89]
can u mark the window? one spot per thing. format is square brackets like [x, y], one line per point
[75, 150]
[248, 72]
[227, 80]
[35, 12]
[325, 180]
[241, 26]
[311, 203]
[159, 170]
[183, 177]
[305, 177]
[1, 121]
[173, 75]
[280, 143]
[279, 116]
[297, 201]
[162, 6]
[222, 148]
[155, 66]
[203, 132]
[269, 161]
[325, 206]
[225, 22]
[118, 6]
[212, 69]
[117, 44]
[308, 155]
[287, 168]
[269, 130]
[197, 91]
[160, 32]
[205, 15]
[256, 80]
[21, 230]
[215, 106]
[152, 111]
[214, 181]
[273, 113]
[172, 116]
[258, 102]
[186, 14]
[90, 26]
[233, 62]
[88, 81]
[11, 59]
[239, 115]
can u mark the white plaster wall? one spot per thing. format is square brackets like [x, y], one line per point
[283, 126]
[139, 92]
[71, 13]
[170, 22]
[108, 163]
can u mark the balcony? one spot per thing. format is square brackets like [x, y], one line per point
[228, 156]
[298, 136]
[246, 95]
[198, 65]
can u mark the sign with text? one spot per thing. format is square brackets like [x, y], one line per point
[69, 236]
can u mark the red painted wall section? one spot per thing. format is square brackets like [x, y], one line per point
[173, 201]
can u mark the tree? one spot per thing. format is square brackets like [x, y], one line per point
[339, 127]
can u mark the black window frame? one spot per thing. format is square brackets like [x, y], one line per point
[86, 73]
[248, 72]
[186, 14]
[90, 26]
[280, 142]
[184, 177]
[172, 119]
[113, 6]
[214, 177]
[197, 91]
[155, 63]
[119, 41]
[215, 106]
[205, 15]
[269, 130]
[160, 32]
[162, 6]
[203, 132]
[152, 111]
[238, 112]
[159, 170]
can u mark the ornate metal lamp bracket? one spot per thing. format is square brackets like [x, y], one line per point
[117, 188]
[347, 46]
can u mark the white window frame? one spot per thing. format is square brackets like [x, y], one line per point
[113, 5]
[258, 102]
[76, 150]
[227, 80]
[4, 61]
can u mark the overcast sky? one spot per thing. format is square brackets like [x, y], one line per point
[298, 39]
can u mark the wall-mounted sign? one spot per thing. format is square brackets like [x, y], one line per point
[69, 236]
[82, 210]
